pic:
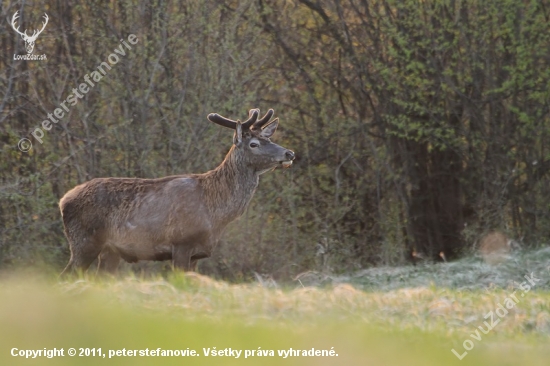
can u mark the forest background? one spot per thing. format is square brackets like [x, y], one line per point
[418, 126]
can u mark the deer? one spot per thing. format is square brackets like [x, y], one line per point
[179, 218]
[29, 40]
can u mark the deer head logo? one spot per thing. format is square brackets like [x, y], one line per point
[29, 40]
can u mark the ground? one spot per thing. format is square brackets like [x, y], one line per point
[380, 316]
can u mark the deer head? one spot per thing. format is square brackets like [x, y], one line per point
[29, 40]
[252, 141]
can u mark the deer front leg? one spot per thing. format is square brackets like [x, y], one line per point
[186, 254]
[195, 260]
[181, 257]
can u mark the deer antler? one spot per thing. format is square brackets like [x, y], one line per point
[262, 121]
[254, 114]
[229, 123]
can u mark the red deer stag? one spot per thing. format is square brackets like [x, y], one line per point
[179, 217]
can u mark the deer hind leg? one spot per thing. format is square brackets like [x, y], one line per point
[108, 261]
[84, 250]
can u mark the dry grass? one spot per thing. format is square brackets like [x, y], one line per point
[430, 309]
[366, 318]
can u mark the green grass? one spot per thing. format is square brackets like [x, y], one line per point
[365, 322]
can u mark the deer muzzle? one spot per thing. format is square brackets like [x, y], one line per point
[289, 155]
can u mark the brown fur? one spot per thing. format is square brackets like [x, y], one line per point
[178, 217]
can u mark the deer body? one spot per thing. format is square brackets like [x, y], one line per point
[179, 217]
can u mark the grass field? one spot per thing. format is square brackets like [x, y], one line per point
[382, 316]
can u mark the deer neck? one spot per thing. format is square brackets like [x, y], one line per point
[229, 188]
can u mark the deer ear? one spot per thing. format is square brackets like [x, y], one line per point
[238, 136]
[270, 129]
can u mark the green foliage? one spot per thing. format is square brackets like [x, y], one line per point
[417, 126]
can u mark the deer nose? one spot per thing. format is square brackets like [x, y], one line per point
[289, 154]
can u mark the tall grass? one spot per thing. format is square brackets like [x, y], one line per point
[412, 325]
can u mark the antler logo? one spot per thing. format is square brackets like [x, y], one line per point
[29, 40]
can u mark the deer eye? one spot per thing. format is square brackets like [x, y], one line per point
[254, 144]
